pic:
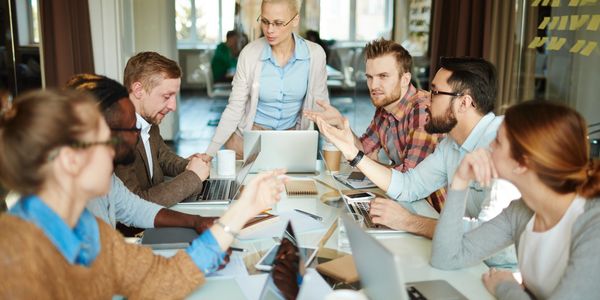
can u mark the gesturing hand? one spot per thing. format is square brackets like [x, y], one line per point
[343, 138]
[329, 114]
[263, 191]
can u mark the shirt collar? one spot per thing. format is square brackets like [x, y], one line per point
[142, 124]
[479, 129]
[79, 245]
[300, 50]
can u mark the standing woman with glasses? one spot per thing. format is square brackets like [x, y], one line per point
[56, 150]
[277, 77]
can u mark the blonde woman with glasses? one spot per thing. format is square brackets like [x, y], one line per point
[57, 151]
[277, 77]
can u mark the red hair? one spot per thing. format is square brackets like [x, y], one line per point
[551, 139]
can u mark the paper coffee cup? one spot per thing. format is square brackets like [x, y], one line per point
[345, 295]
[226, 162]
[332, 156]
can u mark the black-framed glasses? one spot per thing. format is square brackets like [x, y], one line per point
[276, 24]
[113, 141]
[434, 92]
[124, 129]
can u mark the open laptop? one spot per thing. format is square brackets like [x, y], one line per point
[222, 191]
[294, 150]
[380, 271]
[289, 278]
[362, 207]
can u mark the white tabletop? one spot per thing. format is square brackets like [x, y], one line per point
[413, 250]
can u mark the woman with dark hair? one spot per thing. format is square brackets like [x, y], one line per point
[56, 150]
[542, 149]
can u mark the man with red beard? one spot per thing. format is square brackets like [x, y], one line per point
[153, 82]
[398, 127]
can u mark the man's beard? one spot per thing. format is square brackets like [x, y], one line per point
[387, 100]
[441, 124]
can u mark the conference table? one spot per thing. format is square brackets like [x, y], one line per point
[414, 251]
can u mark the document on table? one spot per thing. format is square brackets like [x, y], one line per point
[300, 222]
[235, 268]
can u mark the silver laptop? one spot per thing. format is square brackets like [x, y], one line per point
[362, 207]
[380, 271]
[294, 150]
[222, 191]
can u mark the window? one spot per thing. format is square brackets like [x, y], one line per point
[203, 22]
[345, 20]
[28, 26]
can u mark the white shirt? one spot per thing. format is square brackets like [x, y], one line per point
[145, 135]
[543, 256]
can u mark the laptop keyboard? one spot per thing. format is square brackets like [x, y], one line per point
[214, 190]
[363, 209]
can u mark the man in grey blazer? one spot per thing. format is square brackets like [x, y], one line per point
[153, 82]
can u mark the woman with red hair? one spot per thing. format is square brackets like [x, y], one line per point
[542, 148]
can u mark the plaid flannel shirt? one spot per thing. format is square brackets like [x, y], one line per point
[401, 133]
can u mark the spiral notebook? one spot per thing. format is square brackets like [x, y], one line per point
[301, 188]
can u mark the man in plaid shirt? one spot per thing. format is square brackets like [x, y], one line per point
[398, 125]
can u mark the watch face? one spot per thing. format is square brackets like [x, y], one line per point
[357, 159]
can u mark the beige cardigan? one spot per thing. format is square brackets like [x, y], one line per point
[241, 109]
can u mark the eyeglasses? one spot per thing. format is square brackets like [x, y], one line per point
[434, 92]
[131, 129]
[277, 24]
[84, 145]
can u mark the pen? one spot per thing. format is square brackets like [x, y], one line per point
[238, 249]
[309, 214]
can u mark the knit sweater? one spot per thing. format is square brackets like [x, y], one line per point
[32, 268]
[452, 249]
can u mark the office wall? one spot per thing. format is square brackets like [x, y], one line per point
[154, 26]
[111, 23]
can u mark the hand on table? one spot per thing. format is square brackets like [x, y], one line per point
[389, 213]
[493, 277]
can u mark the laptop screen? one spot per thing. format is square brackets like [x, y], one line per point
[287, 274]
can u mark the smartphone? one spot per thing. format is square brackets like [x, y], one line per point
[266, 262]
[356, 176]
[362, 196]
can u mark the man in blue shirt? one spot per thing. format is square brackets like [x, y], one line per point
[462, 100]
[120, 204]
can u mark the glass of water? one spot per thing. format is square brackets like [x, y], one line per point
[343, 241]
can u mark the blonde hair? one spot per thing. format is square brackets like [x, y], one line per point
[149, 68]
[294, 5]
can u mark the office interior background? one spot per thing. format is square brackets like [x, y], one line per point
[543, 49]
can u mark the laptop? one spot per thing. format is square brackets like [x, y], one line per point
[294, 150]
[289, 278]
[380, 271]
[362, 207]
[222, 191]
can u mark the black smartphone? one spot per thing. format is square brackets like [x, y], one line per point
[356, 176]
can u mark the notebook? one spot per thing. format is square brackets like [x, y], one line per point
[301, 188]
[342, 269]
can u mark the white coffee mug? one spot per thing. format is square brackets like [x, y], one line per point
[226, 162]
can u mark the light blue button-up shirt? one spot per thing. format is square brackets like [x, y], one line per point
[438, 168]
[282, 89]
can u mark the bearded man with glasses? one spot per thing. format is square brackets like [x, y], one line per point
[463, 92]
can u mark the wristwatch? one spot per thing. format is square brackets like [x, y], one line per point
[357, 159]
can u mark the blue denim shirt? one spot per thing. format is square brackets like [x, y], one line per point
[282, 88]
[81, 244]
[78, 245]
